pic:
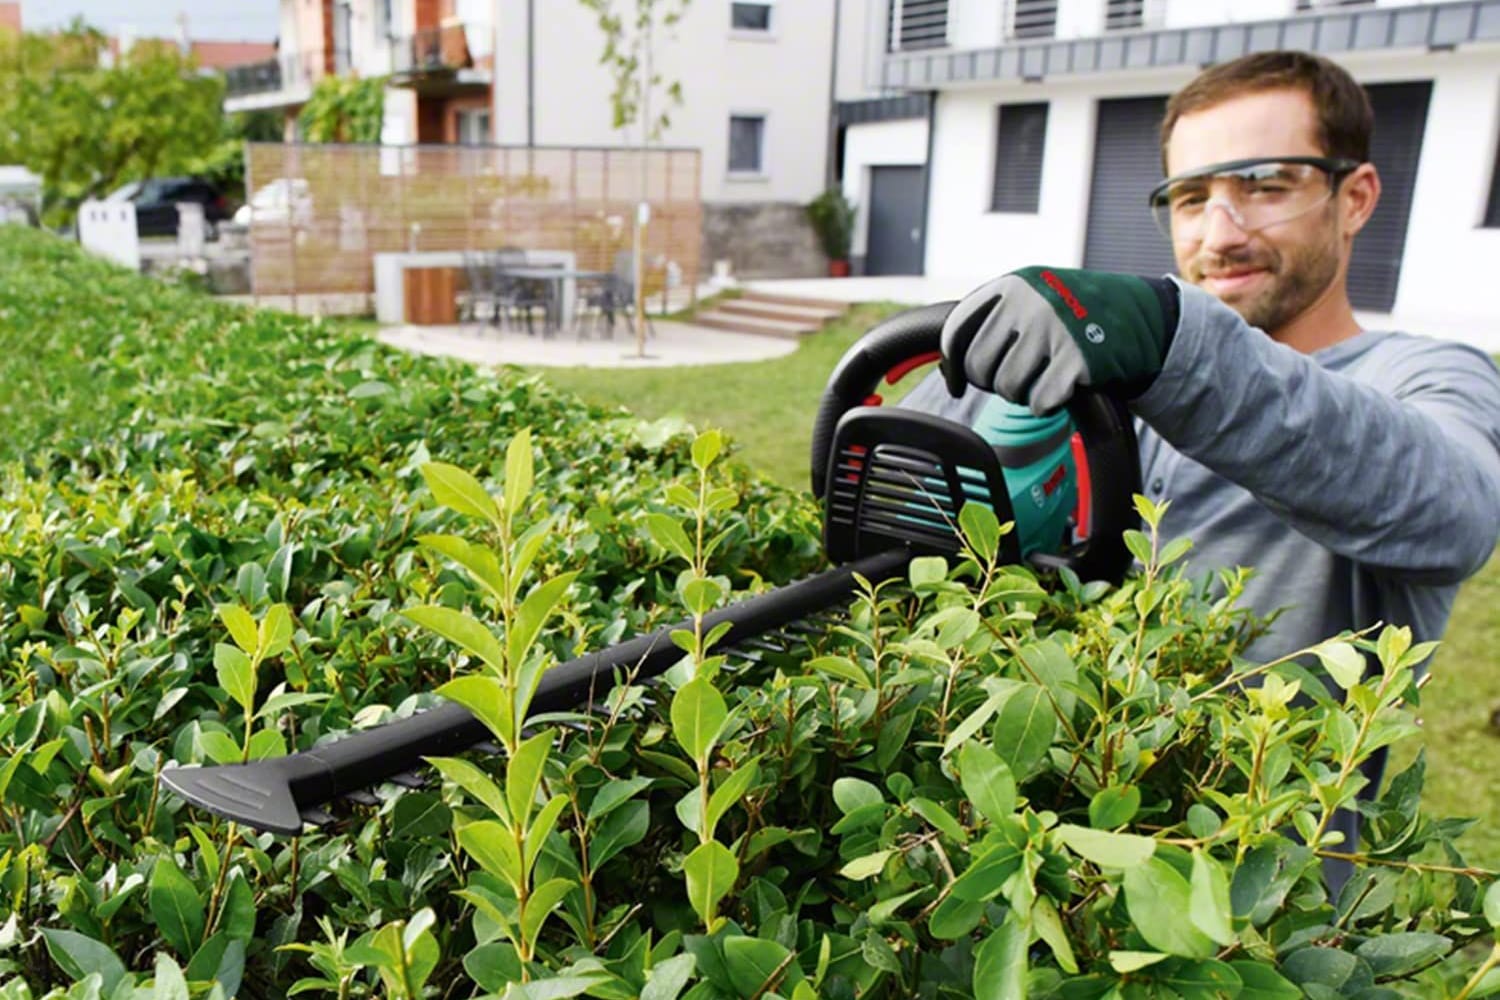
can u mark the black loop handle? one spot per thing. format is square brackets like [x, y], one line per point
[1102, 421]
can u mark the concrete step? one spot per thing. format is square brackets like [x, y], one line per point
[749, 324]
[780, 311]
[751, 295]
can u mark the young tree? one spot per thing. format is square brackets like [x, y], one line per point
[86, 126]
[629, 49]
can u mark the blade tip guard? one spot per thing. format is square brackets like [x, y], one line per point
[256, 795]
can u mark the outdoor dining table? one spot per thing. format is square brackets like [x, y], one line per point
[562, 282]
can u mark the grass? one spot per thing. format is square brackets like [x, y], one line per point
[768, 408]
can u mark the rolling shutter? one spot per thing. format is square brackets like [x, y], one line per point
[1020, 137]
[1127, 164]
[1395, 149]
[917, 24]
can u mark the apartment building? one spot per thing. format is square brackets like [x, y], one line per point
[980, 135]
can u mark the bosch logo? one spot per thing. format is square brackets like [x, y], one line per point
[1095, 333]
[1038, 495]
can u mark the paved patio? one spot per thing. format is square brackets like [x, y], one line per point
[674, 344]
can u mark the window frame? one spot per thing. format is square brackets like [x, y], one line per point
[1490, 217]
[759, 172]
[1033, 196]
[768, 31]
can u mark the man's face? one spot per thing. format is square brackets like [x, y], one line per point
[1274, 274]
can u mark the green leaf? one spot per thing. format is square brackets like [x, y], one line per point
[867, 866]
[981, 529]
[1262, 982]
[275, 633]
[758, 967]
[711, 871]
[480, 561]
[1125, 962]
[478, 784]
[523, 775]
[530, 618]
[1492, 904]
[706, 448]
[1049, 927]
[420, 815]
[1139, 544]
[668, 978]
[168, 981]
[1108, 850]
[485, 698]
[493, 966]
[518, 471]
[176, 908]
[80, 956]
[843, 668]
[613, 795]
[236, 675]
[241, 626]
[461, 629]
[1320, 966]
[239, 910]
[939, 819]
[926, 570]
[1398, 954]
[624, 827]
[850, 794]
[1000, 963]
[729, 792]
[668, 533]
[544, 899]
[1024, 729]
[1156, 898]
[955, 918]
[493, 847]
[458, 491]
[1114, 806]
[541, 828]
[1000, 690]
[987, 781]
[698, 716]
[1344, 663]
[1209, 908]
[701, 594]
[525, 551]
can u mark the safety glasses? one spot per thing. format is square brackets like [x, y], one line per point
[1253, 193]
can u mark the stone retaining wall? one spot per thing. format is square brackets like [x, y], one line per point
[761, 240]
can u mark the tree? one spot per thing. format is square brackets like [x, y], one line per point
[629, 49]
[344, 109]
[87, 126]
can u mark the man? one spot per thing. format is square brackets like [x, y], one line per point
[1357, 471]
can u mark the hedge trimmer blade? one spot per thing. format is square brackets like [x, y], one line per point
[281, 794]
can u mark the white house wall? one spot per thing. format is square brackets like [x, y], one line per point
[1446, 250]
[879, 144]
[785, 77]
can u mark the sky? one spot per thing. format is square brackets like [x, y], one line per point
[221, 20]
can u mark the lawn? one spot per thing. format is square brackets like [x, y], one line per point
[768, 407]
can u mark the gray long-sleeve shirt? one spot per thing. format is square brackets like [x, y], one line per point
[1361, 482]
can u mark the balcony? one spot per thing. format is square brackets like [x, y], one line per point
[285, 80]
[442, 59]
[1330, 28]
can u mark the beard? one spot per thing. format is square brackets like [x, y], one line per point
[1298, 274]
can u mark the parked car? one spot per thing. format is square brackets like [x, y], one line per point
[283, 200]
[156, 201]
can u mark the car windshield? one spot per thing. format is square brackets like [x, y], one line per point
[125, 192]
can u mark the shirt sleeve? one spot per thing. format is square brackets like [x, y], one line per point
[1400, 473]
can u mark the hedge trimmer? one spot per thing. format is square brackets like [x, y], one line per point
[892, 482]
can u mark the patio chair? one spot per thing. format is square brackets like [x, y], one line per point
[520, 297]
[482, 299]
[622, 292]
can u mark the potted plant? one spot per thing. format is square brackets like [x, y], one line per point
[832, 218]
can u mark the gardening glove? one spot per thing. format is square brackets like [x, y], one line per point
[1035, 335]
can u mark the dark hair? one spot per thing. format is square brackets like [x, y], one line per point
[1345, 120]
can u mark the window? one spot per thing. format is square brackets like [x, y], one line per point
[1120, 15]
[747, 141]
[474, 126]
[750, 16]
[1019, 138]
[1033, 18]
[917, 24]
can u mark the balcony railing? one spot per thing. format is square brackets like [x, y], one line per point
[433, 50]
[291, 71]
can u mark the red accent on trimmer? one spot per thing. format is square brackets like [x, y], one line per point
[899, 372]
[1083, 513]
[873, 399]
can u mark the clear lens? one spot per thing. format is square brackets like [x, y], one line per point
[1253, 196]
